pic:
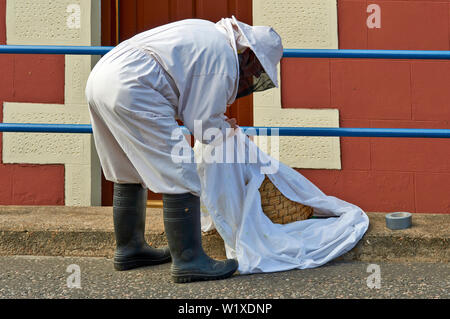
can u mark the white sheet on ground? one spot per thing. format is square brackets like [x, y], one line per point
[231, 203]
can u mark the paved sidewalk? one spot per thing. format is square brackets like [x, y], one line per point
[88, 231]
[48, 277]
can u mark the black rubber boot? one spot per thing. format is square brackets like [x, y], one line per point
[132, 251]
[183, 231]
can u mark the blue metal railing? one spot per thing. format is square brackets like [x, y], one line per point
[288, 53]
[54, 49]
[249, 130]
[282, 131]
[367, 54]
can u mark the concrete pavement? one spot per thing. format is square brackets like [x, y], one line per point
[88, 231]
[47, 277]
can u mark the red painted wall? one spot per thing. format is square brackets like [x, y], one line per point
[383, 174]
[35, 79]
[378, 174]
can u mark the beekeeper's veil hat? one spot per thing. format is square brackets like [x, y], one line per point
[267, 46]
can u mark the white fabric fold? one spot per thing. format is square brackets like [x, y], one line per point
[231, 203]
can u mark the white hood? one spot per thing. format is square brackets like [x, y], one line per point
[262, 40]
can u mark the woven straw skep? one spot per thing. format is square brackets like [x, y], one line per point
[280, 209]
[277, 207]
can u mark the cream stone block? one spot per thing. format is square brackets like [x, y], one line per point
[79, 188]
[305, 24]
[83, 181]
[61, 22]
[77, 70]
[309, 151]
[45, 148]
[75, 151]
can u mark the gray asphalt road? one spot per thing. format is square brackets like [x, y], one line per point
[49, 277]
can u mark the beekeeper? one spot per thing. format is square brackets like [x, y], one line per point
[189, 70]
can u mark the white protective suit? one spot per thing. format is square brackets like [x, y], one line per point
[137, 90]
[189, 70]
[186, 70]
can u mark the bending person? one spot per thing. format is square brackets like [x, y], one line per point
[189, 70]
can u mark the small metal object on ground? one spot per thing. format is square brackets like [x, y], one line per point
[400, 220]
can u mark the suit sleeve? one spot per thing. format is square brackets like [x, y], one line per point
[205, 102]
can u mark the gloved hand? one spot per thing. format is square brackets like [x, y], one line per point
[232, 123]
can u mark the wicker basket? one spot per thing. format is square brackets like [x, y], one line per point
[278, 208]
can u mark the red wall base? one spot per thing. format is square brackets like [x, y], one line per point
[383, 174]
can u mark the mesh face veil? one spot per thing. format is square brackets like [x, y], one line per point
[252, 76]
[259, 50]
